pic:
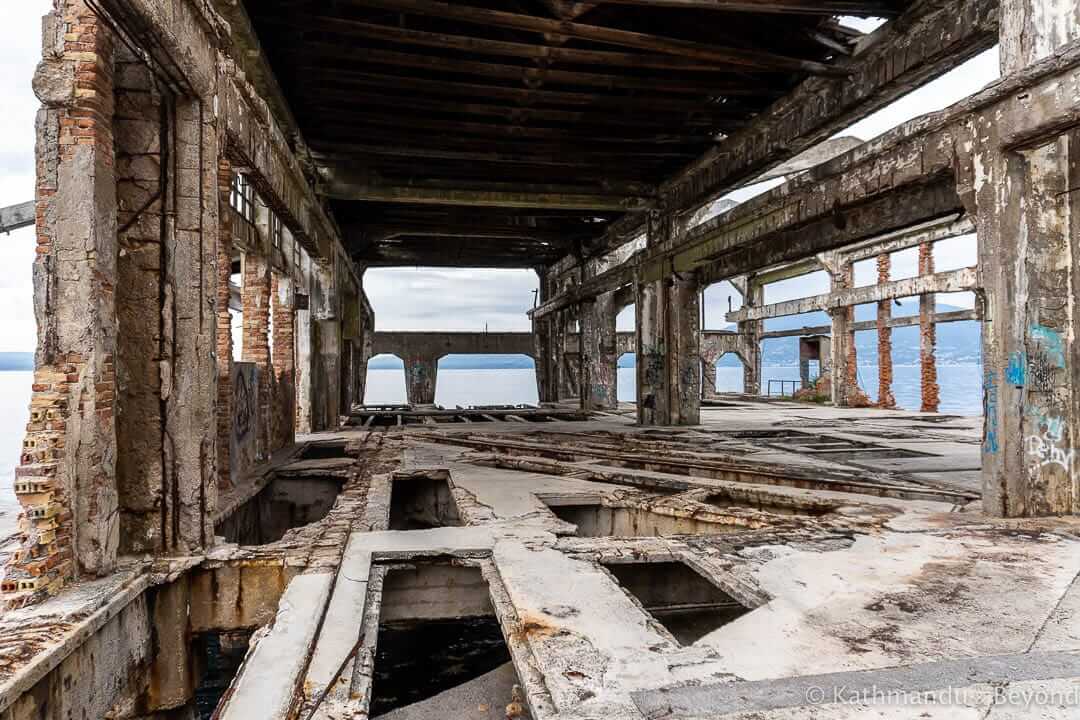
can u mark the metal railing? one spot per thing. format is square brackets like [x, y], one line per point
[784, 384]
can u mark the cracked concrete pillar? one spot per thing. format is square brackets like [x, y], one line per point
[930, 391]
[884, 315]
[750, 338]
[421, 373]
[708, 379]
[668, 352]
[543, 344]
[1028, 221]
[844, 375]
[599, 353]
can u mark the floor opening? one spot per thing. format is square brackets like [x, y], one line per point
[770, 503]
[678, 597]
[284, 504]
[324, 451]
[219, 656]
[440, 650]
[421, 502]
[596, 519]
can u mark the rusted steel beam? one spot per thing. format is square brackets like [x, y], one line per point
[740, 57]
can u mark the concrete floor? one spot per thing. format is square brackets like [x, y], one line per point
[853, 537]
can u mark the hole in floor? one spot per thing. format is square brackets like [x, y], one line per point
[323, 451]
[678, 597]
[599, 520]
[285, 503]
[420, 502]
[219, 656]
[727, 499]
[440, 651]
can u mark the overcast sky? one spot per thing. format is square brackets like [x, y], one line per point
[405, 298]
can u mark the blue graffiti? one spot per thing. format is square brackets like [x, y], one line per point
[990, 401]
[1016, 372]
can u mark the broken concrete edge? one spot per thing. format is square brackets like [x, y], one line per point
[126, 586]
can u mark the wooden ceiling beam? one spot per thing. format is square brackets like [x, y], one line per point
[353, 29]
[864, 8]
[627, 157]
[710, 84]
[460, 91]
[753, 59]
[571, 199]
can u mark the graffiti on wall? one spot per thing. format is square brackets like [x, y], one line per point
[245, 420]
[990, 402]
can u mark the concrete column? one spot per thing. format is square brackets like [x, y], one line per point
[421, 373]
[66, 482]
[543, 342]
[1028, 221]
[750, 339]
[668, 352]
[844, 361]
[284, 361]
[684, 324]
[651, 350]
[599, 353]
[255, 348]
[927, 336]
[884, 315]
[708, 379]
[304, 329]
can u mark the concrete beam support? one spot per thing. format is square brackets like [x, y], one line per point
[599, 354]
[651, 351]
[668, 353]
[750, 337]
[421, 374]
[1029, 235]
[844, 372]
[884, 315]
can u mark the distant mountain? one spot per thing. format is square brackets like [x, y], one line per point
[16, 361]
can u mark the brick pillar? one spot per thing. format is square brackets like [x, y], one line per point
[255, 296]
[224, 342]
[884, 315]
[927, 336]
[284, 361]
[66, 479]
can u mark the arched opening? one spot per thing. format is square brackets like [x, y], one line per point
[385, 381]
[482, 380]
[730, 369]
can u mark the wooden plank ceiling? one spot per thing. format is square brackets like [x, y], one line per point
[507, 133]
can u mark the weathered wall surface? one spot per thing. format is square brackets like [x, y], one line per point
[246, 418]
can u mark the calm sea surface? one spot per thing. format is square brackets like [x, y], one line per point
[961, 394]
[961, 386]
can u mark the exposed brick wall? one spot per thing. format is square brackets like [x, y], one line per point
[256, 339]
[224, 344]
[74, 389]
[283, 417]
[931, 392]
[884, 314]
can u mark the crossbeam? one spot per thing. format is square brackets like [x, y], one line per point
[945, 282]
[16, 216]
